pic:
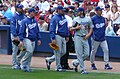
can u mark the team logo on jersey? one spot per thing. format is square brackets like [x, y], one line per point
[99, 25]
[31, 26]
[62, 22]
[19, 22]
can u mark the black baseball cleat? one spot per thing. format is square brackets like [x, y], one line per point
[93, 67]
[76, 70]
[107, 67]
[48, 64]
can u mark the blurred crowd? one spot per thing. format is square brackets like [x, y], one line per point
[45, 9]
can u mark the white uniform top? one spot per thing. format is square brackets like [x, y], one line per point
[86, 24]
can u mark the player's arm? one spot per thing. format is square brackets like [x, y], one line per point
[52, 29]
[38, 35]
[13, 28]
[90, 29]
[22, 32]
[75, 26]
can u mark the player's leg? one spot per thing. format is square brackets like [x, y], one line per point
[14, 54]
[104, 47]
[20, 56]
[49, 60]
[25, 65]
[86, 49]
[58, 53]
[95, 46]
[75, 63]
[64, 58]
[63, 52]
[79, 53]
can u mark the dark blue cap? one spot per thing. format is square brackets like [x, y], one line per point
[19, 6]
[72, 7]
[98, 8]
[60, 7]
[31, 10]
[80, 9]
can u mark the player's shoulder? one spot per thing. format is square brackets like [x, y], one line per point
[94, 18]
[55, 17]
[25, 19]
[87, 17]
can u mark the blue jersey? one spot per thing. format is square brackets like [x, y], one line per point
[15, 23]
[29, 29]
[59, 26]
[99, 28]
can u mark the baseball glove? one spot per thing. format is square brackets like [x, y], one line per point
[22, 48]
[16, 42]
[53, 46]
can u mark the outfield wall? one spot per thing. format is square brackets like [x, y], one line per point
[5, 43]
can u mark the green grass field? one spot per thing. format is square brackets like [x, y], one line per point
[8, 73]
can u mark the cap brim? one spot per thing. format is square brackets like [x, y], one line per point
[100, 9]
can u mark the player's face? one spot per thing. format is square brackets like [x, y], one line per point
[80, 13]
[32, 14]
[19, 10]
[61, 12]
[99, 12]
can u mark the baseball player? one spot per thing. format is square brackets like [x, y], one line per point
[59, 33]
[98, 39]
[15, 26]
[70, 43]
[29, 32]
[83, 29]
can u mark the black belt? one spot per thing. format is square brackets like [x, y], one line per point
[82, 35]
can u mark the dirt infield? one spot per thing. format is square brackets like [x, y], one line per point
[40, 62]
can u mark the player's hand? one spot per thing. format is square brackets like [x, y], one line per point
[54, 41]
[67, 39]
[78, 27]
[86, 36]
[20, 44]
[72, 29]
[39, 42]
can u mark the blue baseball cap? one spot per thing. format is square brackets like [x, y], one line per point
[31, 10]
[19, 6]
[71, 7]
[60, 7]
[98, 8]
[80, 9]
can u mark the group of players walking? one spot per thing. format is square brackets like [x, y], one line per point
[25, 29]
